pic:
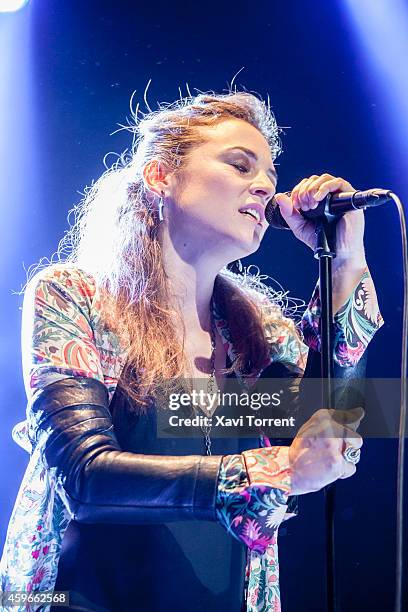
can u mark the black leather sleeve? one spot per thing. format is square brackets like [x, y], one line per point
[100, 483]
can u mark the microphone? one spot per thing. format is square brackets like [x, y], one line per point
[332, 207]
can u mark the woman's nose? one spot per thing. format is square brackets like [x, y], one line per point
[263, 188]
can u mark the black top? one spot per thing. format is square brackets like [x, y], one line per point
[175, 566]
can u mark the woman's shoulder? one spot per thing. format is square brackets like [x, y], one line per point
[67, 275]
[66, 287]
[64, 324]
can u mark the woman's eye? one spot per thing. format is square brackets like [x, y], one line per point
[241, 168]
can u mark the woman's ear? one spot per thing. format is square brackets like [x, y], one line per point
[156, 177]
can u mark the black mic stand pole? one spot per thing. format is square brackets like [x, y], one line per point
[325, 252]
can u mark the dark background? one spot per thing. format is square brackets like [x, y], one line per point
[69, 75]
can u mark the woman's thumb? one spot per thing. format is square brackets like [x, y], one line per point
[285, 205]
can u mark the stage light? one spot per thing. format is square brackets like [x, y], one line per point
[381, 33]
[11, 6]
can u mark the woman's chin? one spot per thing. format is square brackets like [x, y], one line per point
[251, 241]
[232, 245]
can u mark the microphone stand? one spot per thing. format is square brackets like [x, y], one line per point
[325, 253]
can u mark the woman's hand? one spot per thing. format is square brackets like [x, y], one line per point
[306, 196]
[316, 454]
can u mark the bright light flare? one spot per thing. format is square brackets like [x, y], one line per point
[11, 6]
[381, 28]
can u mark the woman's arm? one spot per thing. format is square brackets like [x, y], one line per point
[70, 422]
[100, 482]
[354, 324]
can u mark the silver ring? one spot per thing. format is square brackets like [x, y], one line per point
[352, 454]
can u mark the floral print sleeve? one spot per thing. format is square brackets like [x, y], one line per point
[57, 337]
[252, 500]
[354, 324]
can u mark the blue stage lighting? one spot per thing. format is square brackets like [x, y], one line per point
[10, 6]
[381, 28]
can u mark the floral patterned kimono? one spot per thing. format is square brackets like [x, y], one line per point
[63, 336]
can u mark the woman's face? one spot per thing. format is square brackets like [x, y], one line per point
[230, 173]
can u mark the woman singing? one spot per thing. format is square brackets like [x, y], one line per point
[109, 511]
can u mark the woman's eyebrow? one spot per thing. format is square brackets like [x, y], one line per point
[254, 156]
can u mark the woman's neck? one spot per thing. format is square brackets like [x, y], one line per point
[191, 281]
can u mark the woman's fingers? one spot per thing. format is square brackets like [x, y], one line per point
[307, 195]
[310, 191]
[300, 191]
[330, 186]
[285, 203]
[303, 229]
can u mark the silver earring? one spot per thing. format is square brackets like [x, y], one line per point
[161, 206]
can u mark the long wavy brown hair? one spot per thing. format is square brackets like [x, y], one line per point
[115, 238]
